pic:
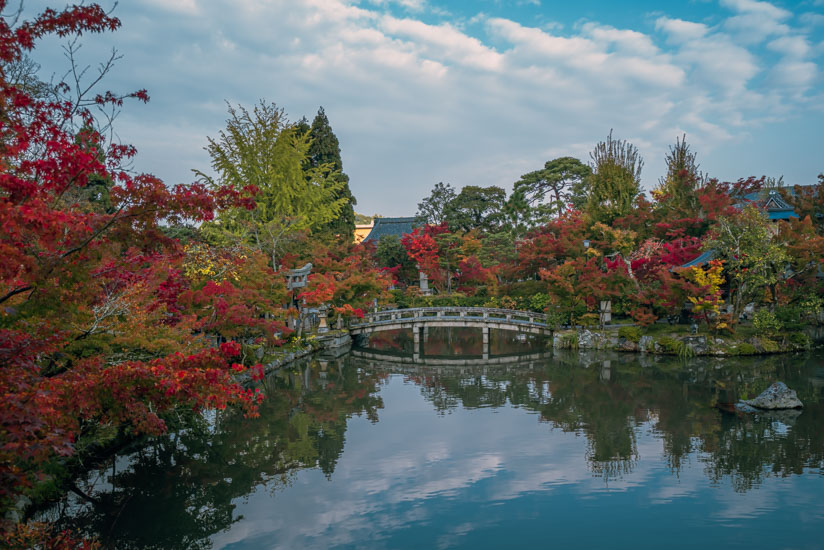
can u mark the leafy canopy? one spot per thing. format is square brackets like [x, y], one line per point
[264, 150]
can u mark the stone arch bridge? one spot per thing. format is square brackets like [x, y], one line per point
[417, 319]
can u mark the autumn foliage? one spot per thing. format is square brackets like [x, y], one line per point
[103, 321]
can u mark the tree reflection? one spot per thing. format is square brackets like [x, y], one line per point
[178, 490]
[610, 397]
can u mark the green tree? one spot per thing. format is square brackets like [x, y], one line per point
[262, 148]
[477, 208]
[432, 209]
[678, 190]
[518, 216]
[325, 151]
[754, 260]
[616, 179]
[548, 190]
[391, 253]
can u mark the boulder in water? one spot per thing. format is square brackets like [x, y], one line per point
[777, 396]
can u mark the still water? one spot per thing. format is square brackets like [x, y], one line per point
[590, 450]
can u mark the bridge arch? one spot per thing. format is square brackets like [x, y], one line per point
[416, 319]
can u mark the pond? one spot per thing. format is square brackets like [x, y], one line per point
[369, 450]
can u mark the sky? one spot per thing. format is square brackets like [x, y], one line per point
[474, 92]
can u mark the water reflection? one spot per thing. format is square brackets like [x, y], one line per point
[605, 423]
[177, 491]
[449, 343]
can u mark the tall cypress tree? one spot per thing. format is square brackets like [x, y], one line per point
[325, 148]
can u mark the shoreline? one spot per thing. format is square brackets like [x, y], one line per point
[674, 343]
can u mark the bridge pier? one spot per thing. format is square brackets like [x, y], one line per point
[417, 342]
[486, 342]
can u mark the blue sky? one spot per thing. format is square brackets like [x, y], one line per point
[477, 92]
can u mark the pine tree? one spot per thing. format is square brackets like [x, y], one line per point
[325, 150]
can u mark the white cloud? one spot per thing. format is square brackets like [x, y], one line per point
[183, 6]
[679, 30]
[411, 5]
[811, 19]
[756, 20]
[444, 40]
[479, 100]
[791, 46]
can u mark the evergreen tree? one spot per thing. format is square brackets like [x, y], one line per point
[262, 148]
[548, 191]
[616, 179]
[678, 190]
[432, 209]
[325, 151]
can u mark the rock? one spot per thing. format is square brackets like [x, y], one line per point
[585, 339]
[742, 407]
[645, 343]
[777, 396]
[626, 345]
[698, 344]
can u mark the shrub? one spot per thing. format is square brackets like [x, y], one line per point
[769, 346]
[799, 339]
[643, 316]
[555, 319]
[589, 320]
[539, 302]
[508, 302]
[633, 334]
[569, 341]
[765, 322]
[400, 299]
[745, 349]
[524, 289]
[674, 346]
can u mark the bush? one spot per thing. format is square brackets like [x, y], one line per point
[745, 349]
[769, 346]
[569, 341]
[674, 346]
[633, 334]
[555, 319]
[539, 302]
[524, 289]
[799, 339]
[588, 320]
[508, 302]
[643, 316]
[765, 322]
[400, 299]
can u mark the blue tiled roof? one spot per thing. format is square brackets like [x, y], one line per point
[391, 226]
[704, 258]
[781, 214]
[770, 201]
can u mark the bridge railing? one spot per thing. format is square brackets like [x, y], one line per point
[492, 314]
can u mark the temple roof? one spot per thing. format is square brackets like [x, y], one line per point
[391, 226]
[772, 203]
[704, 258]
